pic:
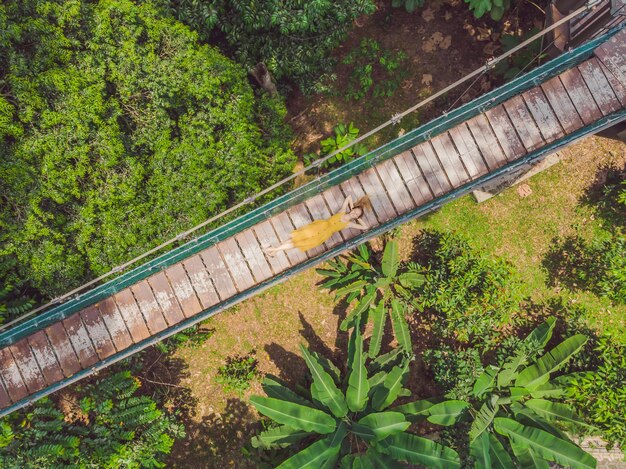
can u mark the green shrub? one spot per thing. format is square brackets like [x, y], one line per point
[12, 303]
[343, 136]
[521, 60]
[104, 424]
[119, 131]
[600, 396]
[469, 295]
[375, 71]
[455, 371]
[294, 38]
[192, 337]
[599, 266]
[237, 373]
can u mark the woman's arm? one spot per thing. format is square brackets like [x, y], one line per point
[347, 204]
[358, 225]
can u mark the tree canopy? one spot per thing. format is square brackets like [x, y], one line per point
[118, 130]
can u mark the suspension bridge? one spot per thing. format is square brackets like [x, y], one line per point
[581, 92]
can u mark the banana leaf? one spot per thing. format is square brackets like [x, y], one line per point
[358, 386]
[378, 314]
[279, 437]
[416, 450]
[400, 326]
[294, 415]
[384, 424]
[324, 387]
[391, 259]
[447, 413]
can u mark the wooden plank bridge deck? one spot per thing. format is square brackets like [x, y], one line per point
[529, 121]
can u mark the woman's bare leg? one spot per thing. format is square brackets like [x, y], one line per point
[283, 247]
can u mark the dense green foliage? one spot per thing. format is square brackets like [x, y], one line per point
[118, 131]
[343, 135]
[350, 416]
[104, 424]
[495, 8]
[237, 373]
[469, 295]
[13, 303]
[376, 72]
[601, 395]
[293, 38]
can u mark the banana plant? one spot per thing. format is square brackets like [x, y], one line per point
[376, 288]
[350, 421]
[515, 404]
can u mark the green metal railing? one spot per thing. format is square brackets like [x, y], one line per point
[423, 133]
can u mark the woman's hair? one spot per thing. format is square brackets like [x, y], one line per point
[363, 203]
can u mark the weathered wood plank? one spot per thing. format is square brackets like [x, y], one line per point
[46, 358]
[149, 307]
[80, 340]
[203, 267]
[115, 323]
[378, 196]
[25, 359]
[11, 375]
[5, 400]
[132, 316]
[60, 342]
[431, 169]
[450, 160]
[236, 263]
[543, 114]
[562, 105]
[184, 291]
[487, 142]
[415, 183]
[524, 123]
[613, 55]
[353, 187]
[98, 332]
[618, 88]
[334, 199]
[300, 217]
[283, 227]
[394, 185]
[581, 97]
[505, 133]
[254, 255]
[268, 238]
[469, 152]
[319, 211]
[166, 298]
[599, 86]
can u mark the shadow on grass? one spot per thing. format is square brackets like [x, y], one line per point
[602, 196]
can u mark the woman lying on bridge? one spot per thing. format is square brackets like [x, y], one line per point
[318, 231]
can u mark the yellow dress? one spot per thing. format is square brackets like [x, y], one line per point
[315, 233]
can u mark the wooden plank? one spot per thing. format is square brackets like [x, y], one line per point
[149, 307]
[432, 171]
[207, 266]
[562, 104]
[60, 343]
[166, 298]
[524, 123]
[378, 196]
[468, 151]
[486, 141]
[300, 217]
[618, 88]
[449, 158]
[132, 316]
[115, 323]
[505, 133]
[543, 114]
[48, 363]
[415, 182]
[268, 238]
[581, 97]
[334, 199]
[353, 188]
[98, 332]
[80, 340]
[254, 255]
[613, 55]
[25, 359]
[394, 185]
[11, 375]
[184, 291]
[283, 227]
[599, 86]
[319, 211]
[5, 400]
[236, 263]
